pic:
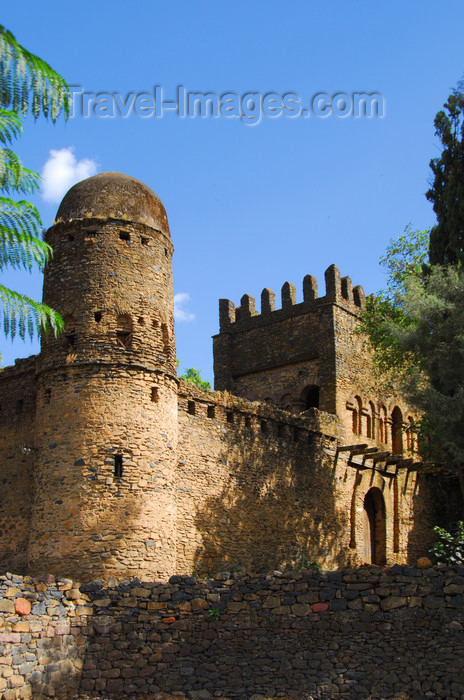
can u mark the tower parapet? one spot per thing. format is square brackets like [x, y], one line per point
[338, 290]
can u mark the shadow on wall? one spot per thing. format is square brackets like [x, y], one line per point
[275, 509]
[437, 500]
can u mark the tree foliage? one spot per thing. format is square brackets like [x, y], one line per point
[385, 312]
[416, 328]
[193, 376]
[449, 547]
[447, 190]
[27, 85]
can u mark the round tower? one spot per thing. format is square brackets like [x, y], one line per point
[106, 427]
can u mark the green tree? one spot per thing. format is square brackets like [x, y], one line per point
[447, 190]
[27, 85]
[385, 312]
[193, 376]
[416, 333]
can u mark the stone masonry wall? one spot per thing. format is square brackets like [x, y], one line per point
[359, 388]
[270, 355]
[254, 485]
[106, 428]
[17, 418]
[258, 487]
[87, 520]
[369, 633]
[277, 354]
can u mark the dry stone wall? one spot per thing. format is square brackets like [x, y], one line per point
[368, 633]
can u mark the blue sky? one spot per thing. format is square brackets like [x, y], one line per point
[251, 206]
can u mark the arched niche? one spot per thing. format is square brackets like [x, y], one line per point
[397, 431]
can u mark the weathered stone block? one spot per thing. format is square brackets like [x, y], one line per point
[392, 602]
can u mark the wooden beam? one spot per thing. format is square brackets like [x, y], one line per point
[352, 448]
[380, 457]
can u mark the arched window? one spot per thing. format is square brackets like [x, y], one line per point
[124, 330]
[310, 397]
[371, 421]
[397, 431]
[383, 437]
[357, 416]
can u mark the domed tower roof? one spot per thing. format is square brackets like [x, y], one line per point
[113, 196]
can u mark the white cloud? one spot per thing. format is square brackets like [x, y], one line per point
[61, 171]
[180, 314]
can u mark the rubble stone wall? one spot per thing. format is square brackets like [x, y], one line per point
[366, 633]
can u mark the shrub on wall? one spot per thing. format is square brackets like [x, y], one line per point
[449, 547]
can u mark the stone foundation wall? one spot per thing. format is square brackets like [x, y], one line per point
[366, 633]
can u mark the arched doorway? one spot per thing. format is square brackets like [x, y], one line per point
[374, 528]
[309, 397]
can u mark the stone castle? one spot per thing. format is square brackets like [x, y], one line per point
[111, 466]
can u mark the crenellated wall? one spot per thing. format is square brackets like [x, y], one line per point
[279, 354]
[337, 290]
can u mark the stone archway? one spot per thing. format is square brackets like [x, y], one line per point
[374, 538]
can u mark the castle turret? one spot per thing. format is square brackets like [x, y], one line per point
[106, 430]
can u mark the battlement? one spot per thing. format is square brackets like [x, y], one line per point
[338, 290]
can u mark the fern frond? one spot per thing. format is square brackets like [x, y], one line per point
[20, 315]
[20, 244]
[14, 177]
[25, 252]
[21, 216]
[28, 82]
[11, 126]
